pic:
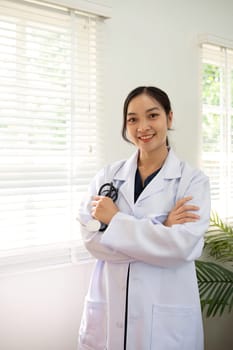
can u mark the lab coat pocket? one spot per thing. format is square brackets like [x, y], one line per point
[93, 327]
[93, 332]
[173, 327]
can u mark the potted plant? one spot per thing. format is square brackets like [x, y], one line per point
[214, 270]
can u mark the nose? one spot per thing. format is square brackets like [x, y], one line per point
[143, 125]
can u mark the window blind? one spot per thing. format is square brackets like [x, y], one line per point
[50, 120]
[217, 125]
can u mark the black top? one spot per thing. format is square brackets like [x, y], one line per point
[138, 186]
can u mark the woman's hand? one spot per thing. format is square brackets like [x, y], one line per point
[103, 209]
[182, 213]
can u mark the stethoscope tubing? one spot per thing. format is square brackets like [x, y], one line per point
[108, 190]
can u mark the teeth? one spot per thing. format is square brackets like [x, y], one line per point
[146, 137]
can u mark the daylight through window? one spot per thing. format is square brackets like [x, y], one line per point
[217, 125]
[50, 103]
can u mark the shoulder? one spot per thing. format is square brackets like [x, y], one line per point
[107, 173]
[193, 172]
[186, 169]
[192, 177]
[190, 180]
[185, 174]
[121, 169]
[113, 168]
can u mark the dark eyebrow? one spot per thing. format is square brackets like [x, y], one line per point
[147, 111]
[151, 109]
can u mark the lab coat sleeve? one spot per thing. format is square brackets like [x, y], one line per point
[92, 240]
[156, 244]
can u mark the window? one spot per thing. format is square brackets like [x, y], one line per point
[50, 108]
[217, 125]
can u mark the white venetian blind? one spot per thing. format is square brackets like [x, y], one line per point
[217, 125]
[50, 108]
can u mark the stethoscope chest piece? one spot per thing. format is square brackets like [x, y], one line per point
[93, 225]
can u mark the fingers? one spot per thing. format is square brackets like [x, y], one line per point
[187, 216]
[96, 198]
[99, 201]
[101, 205]
[185, 221]
[182, 201]
[182, 212]
[103, 208]
[186, 208]
[186, 213]
[180, 205]
[182, 218]
[96, 205]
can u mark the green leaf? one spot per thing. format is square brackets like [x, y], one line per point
[219, 239]
[215, 284]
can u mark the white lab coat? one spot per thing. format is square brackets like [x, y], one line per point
[163, 299]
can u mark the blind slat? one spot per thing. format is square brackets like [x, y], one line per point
[50, 125]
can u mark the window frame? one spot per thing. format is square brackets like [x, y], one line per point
[220, 109]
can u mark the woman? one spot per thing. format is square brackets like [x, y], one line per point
[154, 232]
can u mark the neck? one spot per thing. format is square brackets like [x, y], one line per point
[152, 159]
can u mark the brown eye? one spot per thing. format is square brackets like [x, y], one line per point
[153, 115]
[131, 120]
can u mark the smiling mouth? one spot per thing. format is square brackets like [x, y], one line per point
[146, 138]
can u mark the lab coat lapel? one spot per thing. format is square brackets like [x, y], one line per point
[125, 178]
[156, 185]
[170, 170]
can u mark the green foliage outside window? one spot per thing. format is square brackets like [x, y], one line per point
[211, 84]
[210, 129]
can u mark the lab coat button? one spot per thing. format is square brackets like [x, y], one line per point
[119, 324]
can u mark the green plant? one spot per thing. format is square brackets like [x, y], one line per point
[215, 276]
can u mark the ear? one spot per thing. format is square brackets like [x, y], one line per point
[169, 120]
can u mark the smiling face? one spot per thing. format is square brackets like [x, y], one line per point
[147, 124]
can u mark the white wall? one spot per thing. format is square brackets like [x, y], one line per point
[148, 42]
[156, 42]
[40, 310]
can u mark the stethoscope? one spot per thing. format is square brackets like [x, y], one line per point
[107, 190]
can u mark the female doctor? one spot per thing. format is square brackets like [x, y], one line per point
[153, 233]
